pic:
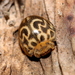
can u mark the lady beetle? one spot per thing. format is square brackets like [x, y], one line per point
[36, 36]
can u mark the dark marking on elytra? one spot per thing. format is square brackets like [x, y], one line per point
[52, 33]
[31, 36]
[44, 29]
[25, 41]
[36, 23]
[30, 48]
[48, 36]
[33, 43]
[25, 32]
[42, 38]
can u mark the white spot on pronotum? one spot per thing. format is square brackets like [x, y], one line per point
[35, 32]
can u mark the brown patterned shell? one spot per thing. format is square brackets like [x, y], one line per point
[36, 36]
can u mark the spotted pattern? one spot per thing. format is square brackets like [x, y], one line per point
[36, 36]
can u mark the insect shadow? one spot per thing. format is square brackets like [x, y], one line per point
[33, 58]
[43, 57]
[38, 59]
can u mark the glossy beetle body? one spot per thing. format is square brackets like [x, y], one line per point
[36, 36]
